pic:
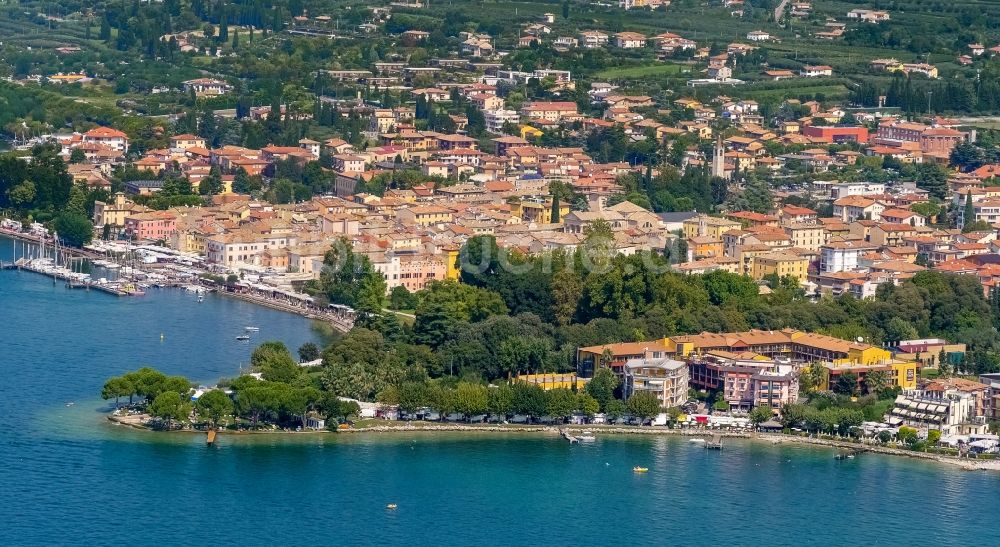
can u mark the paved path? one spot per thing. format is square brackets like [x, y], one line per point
[779, 11]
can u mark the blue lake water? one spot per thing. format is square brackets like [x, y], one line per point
[67, 476]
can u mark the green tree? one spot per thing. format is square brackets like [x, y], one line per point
[760, 414]
[560, 403]
[169, 406]
[968, 213]
[470, 399]
[614, 410]
[602, 387]
[529, 400]
[275, 362]
[933, 437]
[846, 384]
[933, 178]
[907, 435]
[338, 410]
[308, 352]
[442, 400]
[117, 387]
[643, 405]
[447, 304]
[412, 396]
[500, 401]
[587, 405]
[400, 298]
[876, 382]
[213, 405]
[299, 401]
[792, 415]
[74, 229]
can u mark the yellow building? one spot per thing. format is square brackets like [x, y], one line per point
[706, 226]
[791, 343]
[780, 264]
[537, 211]
[452, 270]
[549, 381]
[901, 374]
[705, 247]
[425, 215]
[806, 236]
[528, 131]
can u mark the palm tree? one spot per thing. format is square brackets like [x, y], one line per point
[876, 381]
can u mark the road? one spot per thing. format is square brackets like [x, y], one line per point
[779, 11]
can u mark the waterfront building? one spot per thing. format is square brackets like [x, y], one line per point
[665, 378]
[614, 356]
[745, 380]
[151, 226]
[950, 411]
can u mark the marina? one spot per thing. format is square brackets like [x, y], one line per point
[121, 269]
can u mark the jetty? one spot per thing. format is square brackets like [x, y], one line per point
[715, 443]
[566, 435]
[72, 279]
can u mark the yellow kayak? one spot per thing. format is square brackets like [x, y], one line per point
[638, 469]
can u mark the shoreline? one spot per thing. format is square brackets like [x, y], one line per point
[337, 324]
[552, 430]
[287, 308]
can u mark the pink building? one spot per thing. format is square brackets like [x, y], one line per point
[151, 226]
[416, 270]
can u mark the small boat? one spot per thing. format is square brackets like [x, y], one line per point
[587, 437]
[242, 337]
[251, 329]
[696, 440]
[638, 469]
[390, 506]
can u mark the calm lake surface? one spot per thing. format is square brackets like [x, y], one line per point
[68, 476]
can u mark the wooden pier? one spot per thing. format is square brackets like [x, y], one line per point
[70, 281]
[715, 443]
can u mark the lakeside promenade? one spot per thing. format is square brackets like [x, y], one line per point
[391, 427]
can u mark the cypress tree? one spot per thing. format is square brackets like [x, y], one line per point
[105, 34]
[555, 209]
[969, 214]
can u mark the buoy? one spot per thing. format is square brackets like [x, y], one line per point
[161, 337]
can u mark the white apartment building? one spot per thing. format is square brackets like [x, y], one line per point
[842, 256]
[663, 377]
[495, 119]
